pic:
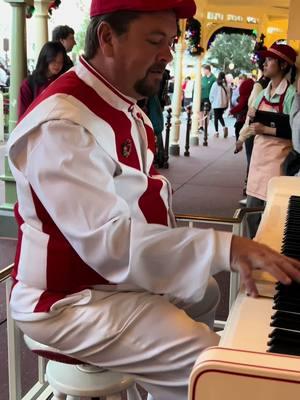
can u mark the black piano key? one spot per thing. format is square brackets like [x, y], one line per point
[294, 287]
[291, 350]
[286, 323]
[287, 315]
[285, 334]
[283, 341]
[286, 296]
[284, 300]
[286, 306]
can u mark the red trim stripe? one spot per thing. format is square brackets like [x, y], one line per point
[20, 222]
[151, 202]
[67, 273]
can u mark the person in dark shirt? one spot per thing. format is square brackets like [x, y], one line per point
[153, 109]
[241, 109]
[163, 95]
[65, 35]
[207, 81]
[49, 66]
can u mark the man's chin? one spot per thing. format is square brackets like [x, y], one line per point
[148, 90]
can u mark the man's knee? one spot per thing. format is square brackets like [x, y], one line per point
[205, 309]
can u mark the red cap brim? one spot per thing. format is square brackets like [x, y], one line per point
[273, 53]
[186, 10]
[267, 53]
[182, 8]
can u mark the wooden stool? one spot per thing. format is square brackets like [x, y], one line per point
[70, 379]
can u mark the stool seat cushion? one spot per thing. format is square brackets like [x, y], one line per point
[49, 352]
[71, 380]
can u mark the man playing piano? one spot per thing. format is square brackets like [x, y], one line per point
[102, 273]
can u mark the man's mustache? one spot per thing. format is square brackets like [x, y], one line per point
[158, 68]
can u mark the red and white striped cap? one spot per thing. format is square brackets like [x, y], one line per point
[182, 8]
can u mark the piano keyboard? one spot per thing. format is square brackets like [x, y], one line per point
[243, 365]
[285, 338]
[270, 324]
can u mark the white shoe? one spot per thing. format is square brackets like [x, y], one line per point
[243, 202]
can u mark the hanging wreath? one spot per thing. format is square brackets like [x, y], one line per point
[193, 36]
[29, 11]
[52, 6]
[259, 46]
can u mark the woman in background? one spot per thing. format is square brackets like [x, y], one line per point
[49, 67]
[295, 120]
[219, 97]
[271, 145]
[246, 135]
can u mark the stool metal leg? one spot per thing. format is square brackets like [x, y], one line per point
[116, 396]
[58, 395]
[133, 393]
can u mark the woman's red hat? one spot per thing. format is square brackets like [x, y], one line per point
[281, 52]
[182, 8]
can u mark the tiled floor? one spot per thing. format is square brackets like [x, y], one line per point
[208, 182]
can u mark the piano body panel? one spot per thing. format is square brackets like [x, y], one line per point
[247, 326]
[230, 374]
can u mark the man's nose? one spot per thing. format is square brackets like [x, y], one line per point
[166, 55]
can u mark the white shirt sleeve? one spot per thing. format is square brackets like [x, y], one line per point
[257, 88]
[74, 178]
[212, 93]
[245, 132]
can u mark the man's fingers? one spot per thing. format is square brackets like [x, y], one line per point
[247, 255]
[247, 279]
[291, 268]
[278, 273]
[281, 266]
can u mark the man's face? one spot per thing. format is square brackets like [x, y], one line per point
[206, 71]
[142, 54]
[69, 42]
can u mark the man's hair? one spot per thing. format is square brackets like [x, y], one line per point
[208, 67]
[221, 78]
[61, 32]
[119, 22]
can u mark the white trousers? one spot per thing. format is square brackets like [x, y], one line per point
[137, 333]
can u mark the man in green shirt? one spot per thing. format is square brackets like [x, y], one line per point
[206, 83]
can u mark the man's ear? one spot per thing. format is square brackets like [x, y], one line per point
[283, 66]
[105, 38]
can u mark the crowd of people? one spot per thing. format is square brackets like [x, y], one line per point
[270, 151]
[102, 272]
